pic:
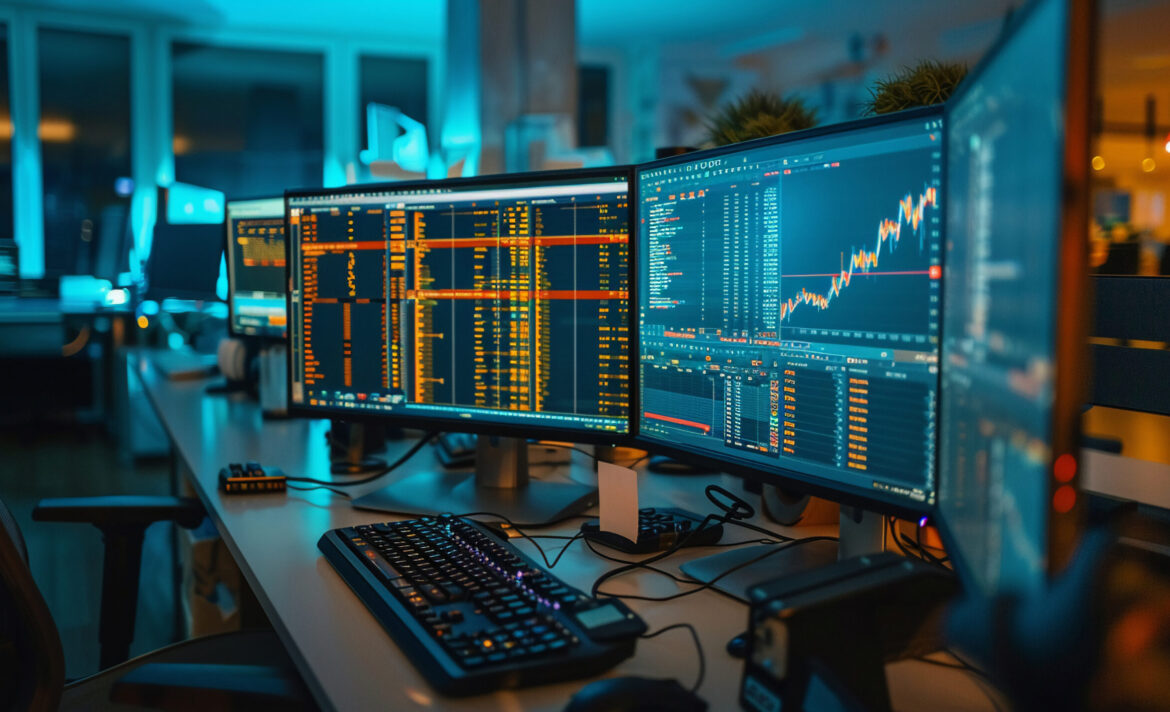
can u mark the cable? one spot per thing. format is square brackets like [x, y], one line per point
[595, 592]
[698, 649]
[535, 543]
[380, 473]
[334, 490]
[647, 567]
[734, 509]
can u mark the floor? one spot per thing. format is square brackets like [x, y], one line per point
[66, 559]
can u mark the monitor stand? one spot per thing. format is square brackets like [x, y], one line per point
[861, 532]
[348, 449]
[500, 485]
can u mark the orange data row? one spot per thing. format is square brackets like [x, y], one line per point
[502, 241]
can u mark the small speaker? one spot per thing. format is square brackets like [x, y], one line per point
[784, 507]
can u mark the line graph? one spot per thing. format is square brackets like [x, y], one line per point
[860, 249]
[865, 261]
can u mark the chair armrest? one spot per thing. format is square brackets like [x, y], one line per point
[205, 686]
[117, 510]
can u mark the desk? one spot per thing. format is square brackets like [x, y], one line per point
[346, 658]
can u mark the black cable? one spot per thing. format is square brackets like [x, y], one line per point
[734, 509]
[647, 567]
[698, 649]
[595, 592]
[535, 543]
[893, 527]
[761, 530]
[380, 473]
[334, 490]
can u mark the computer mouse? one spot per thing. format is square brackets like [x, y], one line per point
[737, 646]
[635, 694]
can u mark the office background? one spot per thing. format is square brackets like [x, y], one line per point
[103, 103]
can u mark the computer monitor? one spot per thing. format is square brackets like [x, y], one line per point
[184, 261]
[1014, 318]
[789, 299]
[9, 267]
[496, 305]
[255, 267]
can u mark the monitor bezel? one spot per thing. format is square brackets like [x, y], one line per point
[445, 424]
[1070, 324]
[227, 246]
[872, 500]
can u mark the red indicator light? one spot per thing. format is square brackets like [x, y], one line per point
[1064, 499]
[1065, 468]
[936, 271]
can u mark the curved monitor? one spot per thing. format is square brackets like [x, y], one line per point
[1014, 323]
[789, 307]
[255, 267]
[496, 304]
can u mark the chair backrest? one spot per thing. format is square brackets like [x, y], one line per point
[32, 665]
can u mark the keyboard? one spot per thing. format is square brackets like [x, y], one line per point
[472, 612]
[658, 530]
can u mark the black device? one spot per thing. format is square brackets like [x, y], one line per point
[255, 252]
[251, 478]
[635, 694]
[820, 639]
[737, 647]
[496, 305]
[658, 529]
[184, 261]
[455, 450]
[664, 465]
[473, 613]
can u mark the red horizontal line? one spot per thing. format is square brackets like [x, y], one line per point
[859, 274]
[520, 294]
[679, 421]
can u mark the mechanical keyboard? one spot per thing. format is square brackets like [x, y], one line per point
[473, 613]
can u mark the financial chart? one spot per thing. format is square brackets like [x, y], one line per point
[790, 302]
[866, 271]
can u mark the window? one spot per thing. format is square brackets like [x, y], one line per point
[592, 106]
[85, 144]
[394, 81]
[6, 224]
[247, 122]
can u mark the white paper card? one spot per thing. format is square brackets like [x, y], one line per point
[619, 499]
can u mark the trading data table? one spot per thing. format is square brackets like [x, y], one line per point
[510, 302]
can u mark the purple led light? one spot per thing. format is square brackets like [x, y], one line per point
[922, 522]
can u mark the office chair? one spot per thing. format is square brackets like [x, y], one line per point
[245, 670]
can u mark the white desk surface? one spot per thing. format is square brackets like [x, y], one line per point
[347, 659]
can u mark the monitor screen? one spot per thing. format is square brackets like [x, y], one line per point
[788, 305]
[488, 303]
[1005, 191]
[255, 267]
[184, 261]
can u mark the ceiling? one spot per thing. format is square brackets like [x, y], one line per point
[799, 36]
